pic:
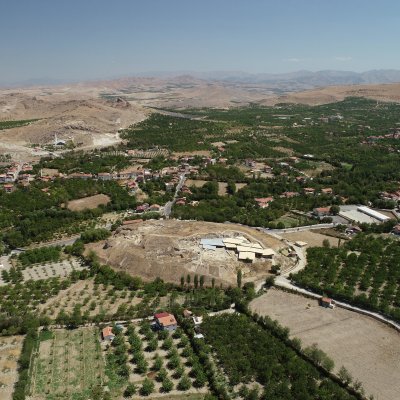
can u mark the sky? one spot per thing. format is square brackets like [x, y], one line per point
[92, 39]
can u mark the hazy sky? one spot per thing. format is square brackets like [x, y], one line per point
[84, 39]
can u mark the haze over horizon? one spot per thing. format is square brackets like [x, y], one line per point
[78, 41]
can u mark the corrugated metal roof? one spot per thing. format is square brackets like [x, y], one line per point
[372, 213]
[209, 247]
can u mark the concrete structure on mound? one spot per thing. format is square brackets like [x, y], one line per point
[245, 250]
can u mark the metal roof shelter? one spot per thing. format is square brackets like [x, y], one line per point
[372, 213]
[217, 242]
[246, 256]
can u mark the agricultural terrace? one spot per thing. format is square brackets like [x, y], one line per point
[67, 365]
[10, 349]
[161, 362]
[365, 271]
[263, 364]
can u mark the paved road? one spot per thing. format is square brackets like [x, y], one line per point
[168, 206]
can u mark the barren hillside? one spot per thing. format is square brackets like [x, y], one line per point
[330, 94]
[90, 114]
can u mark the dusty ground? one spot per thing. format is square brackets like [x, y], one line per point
[367, 348]
[195, 182]
[88, 202]
[312, 238]
[10, 349]
[170, 249]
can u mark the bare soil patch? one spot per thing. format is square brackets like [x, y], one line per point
[195, 182]
[205, 153]
[222, 188]
[10, 349]
[370, 350]
[88, 202]
[312, 238]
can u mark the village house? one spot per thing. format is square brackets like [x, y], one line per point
[289, 195]
[395, 196]
[327, 302]
[301, 179]
[263, 202]
[180, 202]
[107, 334]
[154, 208]
[104, 176]
[327, 191]
[165, 321]
[396, 229]
[8, 188]
[267, 169]
[250, 163]
[309, 191]
[322, 211]
[142, 208]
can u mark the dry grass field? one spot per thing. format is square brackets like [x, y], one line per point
[88, 202]
[367, 348]
[195, 182]
[312, 238]
[10, 349]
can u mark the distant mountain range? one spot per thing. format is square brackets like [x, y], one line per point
[306, 79]
[291, 81]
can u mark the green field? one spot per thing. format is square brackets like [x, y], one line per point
[67, 365]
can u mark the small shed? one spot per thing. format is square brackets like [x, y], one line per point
[107, 333]
[327, 302]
